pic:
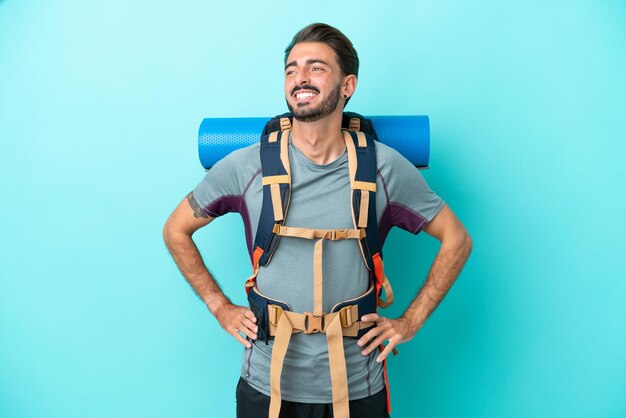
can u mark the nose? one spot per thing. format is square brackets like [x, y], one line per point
[301, 79]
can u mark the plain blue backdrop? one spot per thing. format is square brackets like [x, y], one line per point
[100, 103]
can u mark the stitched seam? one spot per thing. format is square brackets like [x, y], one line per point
[249, 355]
[213, 214]
[245, 190]
[422, 219]
[382, 179]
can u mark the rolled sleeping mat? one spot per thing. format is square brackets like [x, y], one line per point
[218, 137]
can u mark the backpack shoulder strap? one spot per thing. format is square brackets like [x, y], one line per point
[362, 168]
[276, 180]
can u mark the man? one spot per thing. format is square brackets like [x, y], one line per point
[321, 68]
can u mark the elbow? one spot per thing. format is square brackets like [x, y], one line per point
[168, 232]
[460, 240]
[465, 243]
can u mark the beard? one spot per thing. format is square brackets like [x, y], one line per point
[325, 108]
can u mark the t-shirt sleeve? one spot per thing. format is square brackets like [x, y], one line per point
[221, 189]
[411, 204]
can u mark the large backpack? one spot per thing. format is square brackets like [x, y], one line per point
[274, 318]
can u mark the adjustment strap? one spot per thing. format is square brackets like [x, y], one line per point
[277, 202]
[354, 124]
[362, 141]
[364, 208]
[382, 282]
[311, 233]
[275, 181]
[281, 343]
[317, 277]
[352, 161]
[285, 124]
[383, 303]
[337, 363]
[333, 327]
[256, 255]
[282, 179]
[307, 322]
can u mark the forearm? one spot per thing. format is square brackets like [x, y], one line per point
[445, 269]
[189, 261]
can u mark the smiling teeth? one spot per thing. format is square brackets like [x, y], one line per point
[304, 95]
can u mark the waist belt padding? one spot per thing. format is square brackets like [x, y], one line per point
[264, 309]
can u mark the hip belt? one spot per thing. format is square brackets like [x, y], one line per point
[276, 320]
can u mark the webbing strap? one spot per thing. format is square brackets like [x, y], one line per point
[354, 124]
[284, 151]
[317, 277]
[285, 124]
[277, 202]
[258, 252]
[306, 322]
[311, 233]
[337, 363]
[335, 325]
[362, 141]
[281, 343]
[364, 208]
[383, 303]
[320, 235]
[382, 282]
[364, 185]
[282, 179]
[352, 161]
[275, 181]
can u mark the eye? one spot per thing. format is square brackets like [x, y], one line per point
[289, 73]
[316, 69]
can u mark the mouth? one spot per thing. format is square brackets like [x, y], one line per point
[305, 96]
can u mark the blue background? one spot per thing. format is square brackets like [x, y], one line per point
[100, 104]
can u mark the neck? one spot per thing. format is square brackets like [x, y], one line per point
[320, 141]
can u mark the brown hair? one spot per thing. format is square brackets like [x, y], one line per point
[320, 32]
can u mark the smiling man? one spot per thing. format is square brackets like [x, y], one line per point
[308, 353]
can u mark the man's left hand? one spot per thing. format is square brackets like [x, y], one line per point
[395, 331]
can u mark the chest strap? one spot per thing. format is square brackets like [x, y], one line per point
[320, 235]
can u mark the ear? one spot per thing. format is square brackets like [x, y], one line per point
[348, 85]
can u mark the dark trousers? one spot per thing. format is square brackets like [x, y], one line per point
[253, 404]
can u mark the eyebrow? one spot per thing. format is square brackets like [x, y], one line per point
[308, 62]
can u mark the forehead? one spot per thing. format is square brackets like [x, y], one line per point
[308, 51]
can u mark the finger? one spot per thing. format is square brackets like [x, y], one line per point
[372, 346]
[369, 335]
[242, 340]
[250, 315]
[370, 318]
[388, 349]
[246, 332]
[250, 325]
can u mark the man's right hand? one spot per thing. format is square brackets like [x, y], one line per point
[237, 320]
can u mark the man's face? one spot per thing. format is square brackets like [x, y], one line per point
[312, 81]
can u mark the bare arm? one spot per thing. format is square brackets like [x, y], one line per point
[456, 246]
[186, 219]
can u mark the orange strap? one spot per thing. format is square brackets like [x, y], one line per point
[382, 282]
[256, 255]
